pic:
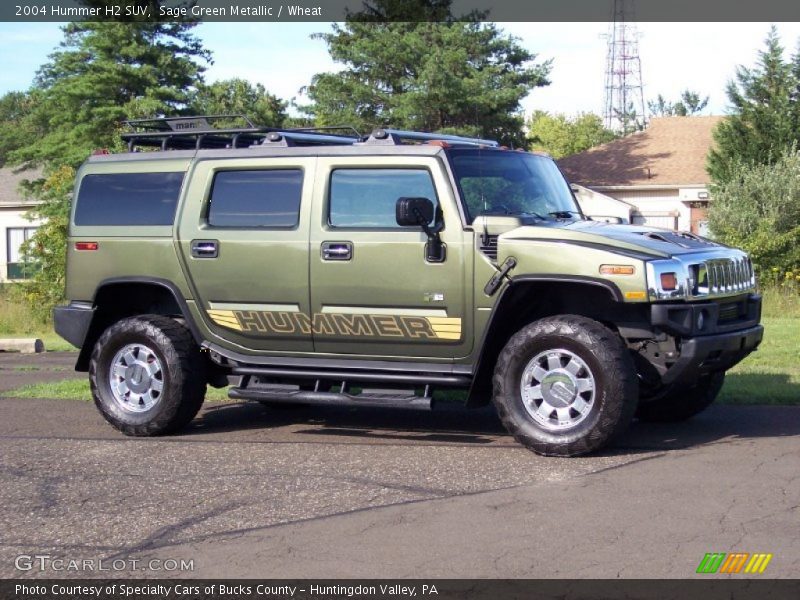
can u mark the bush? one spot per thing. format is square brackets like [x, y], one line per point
[758, 210]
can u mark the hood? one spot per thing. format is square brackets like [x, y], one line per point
[651, 241]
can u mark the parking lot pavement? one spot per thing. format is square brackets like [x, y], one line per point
[254, 492]
[17, 369]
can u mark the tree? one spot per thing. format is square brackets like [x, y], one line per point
[447, 76]
[690, 104]
[103, 73]
[758, 209]
[560, 136]
[237, 96]
[16, 125]
[765, 113]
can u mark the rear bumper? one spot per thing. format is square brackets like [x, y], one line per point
[72, 322]
[712, 353]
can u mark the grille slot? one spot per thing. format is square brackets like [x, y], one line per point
[731, 311]
[723, 277]
[490, 247]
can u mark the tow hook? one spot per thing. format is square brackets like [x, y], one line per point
[497, 279]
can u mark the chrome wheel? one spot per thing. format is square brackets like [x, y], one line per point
[558, 389]
[136, 378]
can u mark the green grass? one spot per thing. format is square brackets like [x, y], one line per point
[17, 320]
[771, 375]
[78, 389]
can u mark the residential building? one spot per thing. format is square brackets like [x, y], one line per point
[15, 228]
[660, 172]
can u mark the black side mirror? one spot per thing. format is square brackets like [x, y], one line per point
[413, 212]
[419, 212]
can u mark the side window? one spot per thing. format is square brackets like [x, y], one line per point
[366, 198]
[128, 199]
[268, 198]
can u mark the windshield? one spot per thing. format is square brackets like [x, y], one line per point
[494, 182]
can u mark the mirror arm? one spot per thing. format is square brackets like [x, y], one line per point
[434, 247]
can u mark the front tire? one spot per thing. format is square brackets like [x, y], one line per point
[565, 386]
[147, 375]
[682, 404]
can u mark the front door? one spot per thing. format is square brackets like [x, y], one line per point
[373, 293]
[244, 239]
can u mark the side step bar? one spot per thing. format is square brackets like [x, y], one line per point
[364, 399]
[357, 376]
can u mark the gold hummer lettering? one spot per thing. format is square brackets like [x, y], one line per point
[322, 325]
[417, 327]
[387, 325]
[279, 322]
[353, 325]
[250, 320]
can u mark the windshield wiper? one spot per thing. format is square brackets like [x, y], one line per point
[565, 214]
[533, 214]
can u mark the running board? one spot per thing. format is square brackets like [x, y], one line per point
[357, 376]
[364, 399]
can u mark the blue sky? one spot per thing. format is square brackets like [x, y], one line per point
[701, 56]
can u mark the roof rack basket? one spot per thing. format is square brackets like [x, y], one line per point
[226, 131]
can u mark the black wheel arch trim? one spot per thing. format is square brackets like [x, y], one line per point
[82, 363]
[482, 368]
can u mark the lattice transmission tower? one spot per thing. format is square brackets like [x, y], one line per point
[624, 94]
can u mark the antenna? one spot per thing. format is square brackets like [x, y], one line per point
[624, 93]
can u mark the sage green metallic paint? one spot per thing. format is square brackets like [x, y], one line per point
[388, 271]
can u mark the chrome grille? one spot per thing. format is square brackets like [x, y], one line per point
[722, 276]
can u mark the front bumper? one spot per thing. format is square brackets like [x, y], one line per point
[701, 356]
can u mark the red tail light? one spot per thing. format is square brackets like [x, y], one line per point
[86, 245]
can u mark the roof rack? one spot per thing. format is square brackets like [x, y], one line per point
[197, 132]
[397, 136]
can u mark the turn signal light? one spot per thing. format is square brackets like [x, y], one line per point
[617, 269]
[669, 282]
[86, 245]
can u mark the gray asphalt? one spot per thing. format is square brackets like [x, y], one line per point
[253, 492]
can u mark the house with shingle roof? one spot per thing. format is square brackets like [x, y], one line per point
[660, 171]
[14, 227]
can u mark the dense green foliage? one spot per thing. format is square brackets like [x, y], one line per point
[237, 96]
[689, 104]
[101, 74]
[758, 209]
[560, 136]
[462, 77]
[765, 113]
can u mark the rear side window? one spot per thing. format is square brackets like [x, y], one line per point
[128, 199]
[366, 198]
[256, 198]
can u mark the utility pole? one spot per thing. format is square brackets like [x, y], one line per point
[624, 94]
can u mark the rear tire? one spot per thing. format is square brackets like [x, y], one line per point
[147, 375]
[683, 404]
[578, 381]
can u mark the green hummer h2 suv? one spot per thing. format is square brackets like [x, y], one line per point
[323, 267]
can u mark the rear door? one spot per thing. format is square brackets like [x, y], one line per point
[373, 293]
[244, 238]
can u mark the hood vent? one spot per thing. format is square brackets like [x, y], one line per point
[489, 248]
[684, 239]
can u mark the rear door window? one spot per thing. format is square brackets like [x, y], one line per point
[267, 198]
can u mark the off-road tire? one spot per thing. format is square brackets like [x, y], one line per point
[184, 381]
[682, 404]
[608, 359]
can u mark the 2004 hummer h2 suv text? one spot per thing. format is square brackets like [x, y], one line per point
[322, 267]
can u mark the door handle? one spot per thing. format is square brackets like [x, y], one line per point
[336, 250]
[205, 248]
